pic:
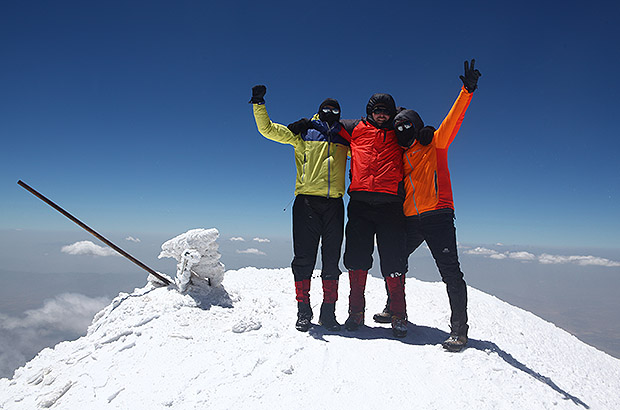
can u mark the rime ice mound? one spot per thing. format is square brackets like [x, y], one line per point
[196, 252]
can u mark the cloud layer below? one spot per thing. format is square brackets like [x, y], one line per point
[65, 317]
[544, 258]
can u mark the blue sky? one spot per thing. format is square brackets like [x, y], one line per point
[134, 116]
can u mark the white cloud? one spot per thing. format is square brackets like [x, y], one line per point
[64, 317]
[544, 258]
[482, 251]
[252, 251]
[88, 248]
[261, 240]
[524, 256]
[237, 239]
[132, 239]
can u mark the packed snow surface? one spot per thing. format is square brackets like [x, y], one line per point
[235, 347]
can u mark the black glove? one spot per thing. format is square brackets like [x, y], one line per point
[258, 92]
[425, 136]
[299, 126]
[470, 79]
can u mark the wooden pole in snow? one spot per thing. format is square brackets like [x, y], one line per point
[93, 232]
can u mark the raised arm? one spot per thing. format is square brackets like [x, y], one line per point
[450, 126]
[270, 130]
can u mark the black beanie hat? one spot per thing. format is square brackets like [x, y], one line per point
[329, 118]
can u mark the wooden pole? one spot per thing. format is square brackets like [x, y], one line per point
[93, 232]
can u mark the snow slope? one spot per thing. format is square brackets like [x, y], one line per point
[235, 347]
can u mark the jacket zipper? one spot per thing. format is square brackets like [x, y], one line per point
[329, 168]
[415, 205]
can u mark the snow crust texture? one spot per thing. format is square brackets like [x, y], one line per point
[236, 347]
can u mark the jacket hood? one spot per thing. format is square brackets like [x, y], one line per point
[407, 136]
[385, 100]
[410, 116]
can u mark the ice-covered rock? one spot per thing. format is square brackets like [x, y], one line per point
[198, 259]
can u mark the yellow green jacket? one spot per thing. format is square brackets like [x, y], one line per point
[320, 154]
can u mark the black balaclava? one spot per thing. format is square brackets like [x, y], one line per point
[381, 100]
[329, 117]
[407, 136]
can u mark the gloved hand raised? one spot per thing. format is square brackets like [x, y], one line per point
[299, 126]
[470, 79]
[425, 136]
[258, 92]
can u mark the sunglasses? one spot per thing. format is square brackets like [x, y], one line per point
[381, 110]
[334, 111]
[404, 126]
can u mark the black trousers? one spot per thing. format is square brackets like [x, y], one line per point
[317, 218]
[386, 221]
[440, 235]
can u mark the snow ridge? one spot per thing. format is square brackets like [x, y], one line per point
[235, 347]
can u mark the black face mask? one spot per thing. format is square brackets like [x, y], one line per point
[329, 117]
[407, 126]
[405, 135]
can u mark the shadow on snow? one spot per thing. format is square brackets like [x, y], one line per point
[424, 335]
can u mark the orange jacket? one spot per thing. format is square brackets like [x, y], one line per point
[427, 178]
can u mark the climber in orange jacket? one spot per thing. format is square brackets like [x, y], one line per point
[429, 207]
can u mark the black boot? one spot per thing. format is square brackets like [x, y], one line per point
[327, 319]
[304, 316]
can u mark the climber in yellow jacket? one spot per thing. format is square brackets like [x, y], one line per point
[318, 210]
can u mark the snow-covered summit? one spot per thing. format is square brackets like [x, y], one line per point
[235, 347]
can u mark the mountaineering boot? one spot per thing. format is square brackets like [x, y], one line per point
[304, 312]
[458, 337]
[455, 343]
[304, 316]
[399, 326]
[396, 291]
[327, 318]
[397, 305]
[354, 321]
[385, 316]
[357, 302]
